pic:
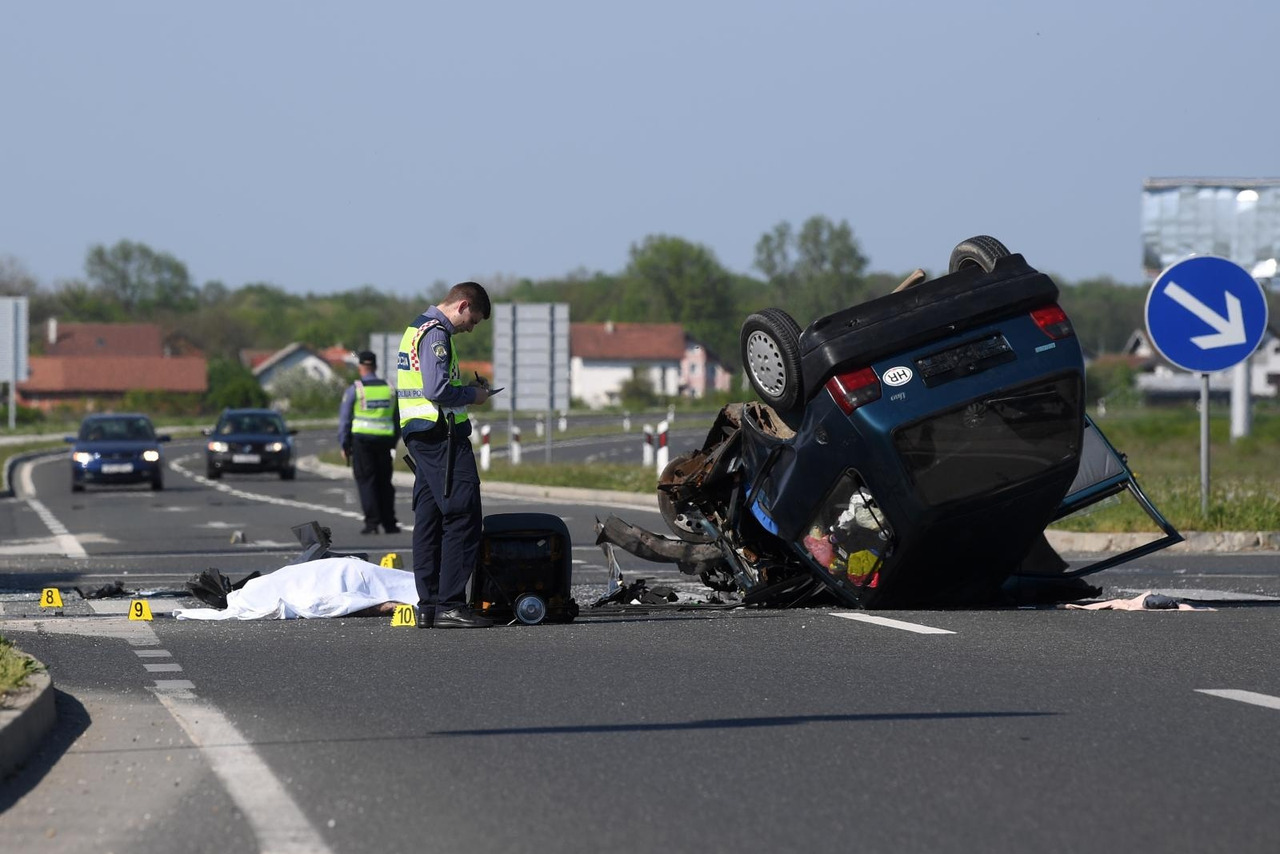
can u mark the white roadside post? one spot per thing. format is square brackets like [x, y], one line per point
[648, 445]
[484, 448]
[564, 421]
[538, 426]
[626, 422]
[515, 446]
[664, 453]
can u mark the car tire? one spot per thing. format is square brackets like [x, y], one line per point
[981, 251]
[770, 342]
[157, 483]
[212, 473]
[76, 486]
[288, 474]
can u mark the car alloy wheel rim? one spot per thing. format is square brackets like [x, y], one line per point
[765, 363]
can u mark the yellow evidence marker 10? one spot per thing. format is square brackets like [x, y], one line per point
[404, 615]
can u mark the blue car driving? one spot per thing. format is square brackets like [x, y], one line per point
[116, 449]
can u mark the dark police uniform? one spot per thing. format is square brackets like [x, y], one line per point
[446, 491]
[367, 431]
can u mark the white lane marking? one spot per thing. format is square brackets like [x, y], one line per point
[895, 624]
[163, 667]
[276, 820]
[1243, 696]
[152, 653]
[275, 817]
[176, 465]
[63, 539]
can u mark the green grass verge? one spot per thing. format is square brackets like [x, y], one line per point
[15, 667]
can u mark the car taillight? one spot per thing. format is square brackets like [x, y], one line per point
[1053, 321]
[853, 389]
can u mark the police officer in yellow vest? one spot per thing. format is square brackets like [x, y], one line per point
[368, 426]
[433, 396]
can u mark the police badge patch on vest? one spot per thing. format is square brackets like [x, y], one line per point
[441, 351]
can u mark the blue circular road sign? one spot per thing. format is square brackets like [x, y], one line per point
[1205, 314]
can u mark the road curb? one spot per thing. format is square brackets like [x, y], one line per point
[26, 718]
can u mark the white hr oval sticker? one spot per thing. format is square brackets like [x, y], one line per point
[897, 375]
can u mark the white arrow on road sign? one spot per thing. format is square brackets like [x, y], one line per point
[1230, 328]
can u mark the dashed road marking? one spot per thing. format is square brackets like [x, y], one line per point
[63, 539]
[1251, 697]
[895, 624]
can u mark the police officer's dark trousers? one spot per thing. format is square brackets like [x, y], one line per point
[371, 463]
[446, 530]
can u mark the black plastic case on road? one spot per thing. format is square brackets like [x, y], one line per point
[524, 553]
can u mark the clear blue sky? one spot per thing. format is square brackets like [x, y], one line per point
[321, 145]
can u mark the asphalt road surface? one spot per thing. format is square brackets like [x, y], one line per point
[996, 730]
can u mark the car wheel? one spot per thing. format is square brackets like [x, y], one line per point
[212, 473]
[76, 486]
[771, 356]
[288, 474]
[982, 252]
[157, 483]
[682, 517]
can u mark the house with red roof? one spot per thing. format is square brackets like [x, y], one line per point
[91, 366]
[603, 356]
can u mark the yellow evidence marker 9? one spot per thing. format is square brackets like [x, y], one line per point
[139, 610]
[50, 598]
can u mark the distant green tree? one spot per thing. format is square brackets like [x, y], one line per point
[815, 271]
[141, 279]
[669, 279]
[15, 281]
[1103, 313]
[637, 393]
[232, 386]
[301, 394]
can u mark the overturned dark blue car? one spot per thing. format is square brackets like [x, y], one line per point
[908, 451]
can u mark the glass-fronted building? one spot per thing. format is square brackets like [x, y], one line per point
[1233, 218]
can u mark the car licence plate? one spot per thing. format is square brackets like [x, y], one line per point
[117, 468]
[246, 458]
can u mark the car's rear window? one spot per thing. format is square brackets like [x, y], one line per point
[989, 444]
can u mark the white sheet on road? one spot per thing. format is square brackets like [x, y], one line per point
[332, 587]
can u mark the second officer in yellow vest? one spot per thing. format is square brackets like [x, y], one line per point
[368, 427]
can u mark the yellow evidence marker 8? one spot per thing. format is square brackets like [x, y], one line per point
[139, 610]
[50, 598]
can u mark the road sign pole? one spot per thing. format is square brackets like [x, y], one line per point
[1204, 445]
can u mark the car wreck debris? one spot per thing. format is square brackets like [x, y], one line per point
[907, 452]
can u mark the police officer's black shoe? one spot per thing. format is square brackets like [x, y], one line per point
[393, 529]
[369, 529]
[462, 617]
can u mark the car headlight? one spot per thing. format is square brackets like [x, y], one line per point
[275, 447]
[82, 457]
[219, 447]
[151, 456]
